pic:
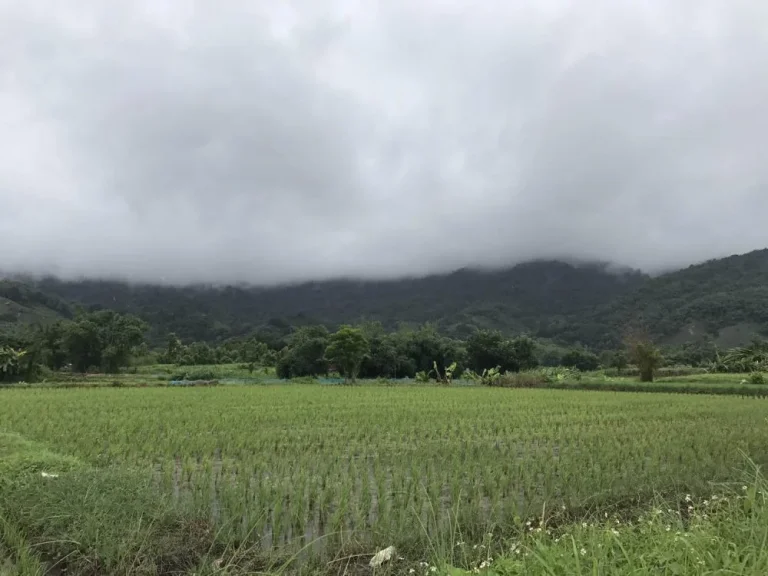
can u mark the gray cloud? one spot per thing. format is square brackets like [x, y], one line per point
[269, 142]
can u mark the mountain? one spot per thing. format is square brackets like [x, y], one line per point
[592, 304]
[724, 299]
[22, 305]
[518, 299]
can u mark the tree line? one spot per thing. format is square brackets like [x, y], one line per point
[108, 341]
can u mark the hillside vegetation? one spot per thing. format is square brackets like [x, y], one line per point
[725, 300]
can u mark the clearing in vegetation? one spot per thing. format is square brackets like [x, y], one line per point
[244, 479]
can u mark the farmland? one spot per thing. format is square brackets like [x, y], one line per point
[311, 469]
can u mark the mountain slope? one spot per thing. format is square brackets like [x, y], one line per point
[22, 306]
[513, 300]
[726, 299]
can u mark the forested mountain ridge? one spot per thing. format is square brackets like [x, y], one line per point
[22, 305]
[513, 300]
[589, 304]
[724, 299]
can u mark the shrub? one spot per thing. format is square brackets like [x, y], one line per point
[533, 379]
[581, 360]
[540, 378]
[201, 374]
[756, 378]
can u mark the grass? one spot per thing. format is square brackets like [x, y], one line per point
[161, 479]
[725, 533]
[238, 374]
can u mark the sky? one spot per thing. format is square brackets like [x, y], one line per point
[266, 142]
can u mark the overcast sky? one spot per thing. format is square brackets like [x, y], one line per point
[266, 141]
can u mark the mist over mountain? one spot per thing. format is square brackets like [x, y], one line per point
[723, 300]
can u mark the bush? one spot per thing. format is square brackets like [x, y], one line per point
[581, 360]
[201, 374]
[757, 378]
[521, 380]
[539, 378]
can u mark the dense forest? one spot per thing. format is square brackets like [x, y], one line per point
[590, 305]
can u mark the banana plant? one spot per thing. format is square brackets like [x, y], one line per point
[10, 360]
[447, 377]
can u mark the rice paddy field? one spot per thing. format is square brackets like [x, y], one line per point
[306, 468]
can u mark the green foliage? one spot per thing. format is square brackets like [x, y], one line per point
[702, 352]
[195, 374]
[757, 378]
[538, 378]
[619, 360]
[11, 363]
[104, 340]
[422, 376]
[346, 350]
[489, 376]
[574, 305]
[752, 358]
[645, 355]
[581, 359]
[305, 355]
[446, 378]
[174, 350]
[488, 349]
[515, 300]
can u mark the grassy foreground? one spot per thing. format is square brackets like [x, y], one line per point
[315, 480]
[116, 532]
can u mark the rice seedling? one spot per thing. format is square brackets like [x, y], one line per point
[276, 467]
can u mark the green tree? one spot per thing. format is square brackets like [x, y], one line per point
[522, 353]
[619, 360]
[488, 349]
[84, 344]
[50, 345]
[645, 355]
[418, 351]
[305, 354]
[173, 350]
[121, 334]
[254, 353]
[580, 359]
[104, 339]
[346, 350]
[197, 354]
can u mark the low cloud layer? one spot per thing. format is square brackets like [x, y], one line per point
[264, 142]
